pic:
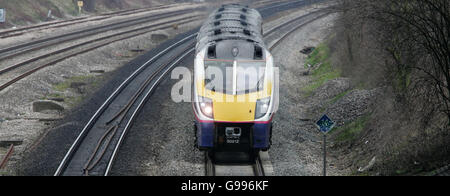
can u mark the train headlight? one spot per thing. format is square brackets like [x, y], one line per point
[206, 106]
[262, 106]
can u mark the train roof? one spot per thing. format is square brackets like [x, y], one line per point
[232, 32]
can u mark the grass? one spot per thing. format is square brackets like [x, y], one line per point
[55, 95]
[66, 6]
[320, 54]
[339, 96]
[66, 84]
[350, 131]
[52, 95]
[4, 173]
[402, 80]
[63, 86]
[324, 73]
[334, 100]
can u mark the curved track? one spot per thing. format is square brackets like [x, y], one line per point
[95, 148]
[255, 165]
[78, 159]
[53, 57]
[64, 53]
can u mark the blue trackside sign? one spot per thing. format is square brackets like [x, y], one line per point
[325, 124]
[2, 15]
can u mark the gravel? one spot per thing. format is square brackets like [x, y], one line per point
[331, 89]
[162, 142]
[352, 106]
[297, 147]
[40, 33]
[16, 101]
[297, 144]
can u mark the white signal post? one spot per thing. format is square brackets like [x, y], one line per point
[80, 5]
[2, 15]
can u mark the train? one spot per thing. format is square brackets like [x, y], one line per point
[233, 82]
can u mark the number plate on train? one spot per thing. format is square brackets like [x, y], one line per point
[233, 135]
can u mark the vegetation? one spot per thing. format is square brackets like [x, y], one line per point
[62, 88]
[66, 84]
[324, 72]
[350, 131]
[403, 47]
[339, 96]
[319, 54]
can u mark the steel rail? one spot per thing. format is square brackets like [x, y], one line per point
[111, 98]
[12, 51]
[290, 22]
[7, 69]
[27, 73]
[258, 169]
[7, 33]
[282, 4]
[3, 33]
[210, 169]
[141, 104]
[125, 110]
[89, 42]
[113, 129]
[283, 37]
[257, 166]
[264, 3]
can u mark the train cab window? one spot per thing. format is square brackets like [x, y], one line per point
[219, 76]
[250, 76]
[224, 77]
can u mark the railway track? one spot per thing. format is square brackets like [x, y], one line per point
[94, 150]
[109, 124]
[78, 20]
[267, 2]
[103, 16]
[12, 51]
[56, 56]
[52, 57]
[254, 167]
[317, 15]
[286, 5]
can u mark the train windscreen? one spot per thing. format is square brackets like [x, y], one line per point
[247, 77]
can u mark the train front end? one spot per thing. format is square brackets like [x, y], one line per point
[236, 118]
[233, 94]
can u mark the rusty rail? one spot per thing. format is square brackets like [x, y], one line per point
[7, 156]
